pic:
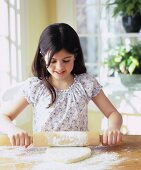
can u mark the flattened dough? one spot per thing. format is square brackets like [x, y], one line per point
[68, 154]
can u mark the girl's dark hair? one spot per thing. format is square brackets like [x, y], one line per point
[54, 38]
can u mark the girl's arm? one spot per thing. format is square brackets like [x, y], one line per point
[7, 115]
[112, 135]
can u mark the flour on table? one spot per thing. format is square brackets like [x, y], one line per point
[35, 158]
[68, 154]
[100, 161]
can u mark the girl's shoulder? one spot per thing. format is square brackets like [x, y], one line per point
[33, 81]
[32, 84]
[85, 77]
[89, 83]
[32, 89]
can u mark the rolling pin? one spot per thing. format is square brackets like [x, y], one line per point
[59, 138]
[66, 138]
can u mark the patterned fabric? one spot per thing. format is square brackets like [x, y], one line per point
[69, 111]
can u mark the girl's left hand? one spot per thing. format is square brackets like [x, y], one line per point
[111, 136]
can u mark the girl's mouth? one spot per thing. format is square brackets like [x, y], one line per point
[60, 73]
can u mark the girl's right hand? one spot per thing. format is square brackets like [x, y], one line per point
[19, 137]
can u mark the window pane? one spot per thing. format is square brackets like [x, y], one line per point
[10, 43]
[4, 66]
[90, 51]
[84, 2]
[18, 30]
[4, 49]
[12, 2]
[19, 65]
[13, 62]
[89, 47]
[3, 18]
[92, 69]
[18, 4]
[12, 24]
[111, 24]
[87, 21]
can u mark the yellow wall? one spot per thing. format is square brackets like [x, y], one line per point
[39, 13]
[65, 11]
[95, 120]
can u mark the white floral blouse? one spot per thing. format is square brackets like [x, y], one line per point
[69, 111]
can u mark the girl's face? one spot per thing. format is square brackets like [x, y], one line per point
[61, 64]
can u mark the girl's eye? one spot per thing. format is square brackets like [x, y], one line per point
[66, 61]
[53, 61]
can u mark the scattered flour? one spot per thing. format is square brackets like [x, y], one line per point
[34, 158]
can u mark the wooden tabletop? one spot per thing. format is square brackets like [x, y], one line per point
[126, 156]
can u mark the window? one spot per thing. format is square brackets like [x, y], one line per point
[87, 26]
[99, 32]
[10, 43]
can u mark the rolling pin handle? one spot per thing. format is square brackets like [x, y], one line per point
[5, 141]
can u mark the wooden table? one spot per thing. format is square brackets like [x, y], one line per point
[126, 156]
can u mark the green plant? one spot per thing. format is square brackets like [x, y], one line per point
[125, 7]
[126, 61]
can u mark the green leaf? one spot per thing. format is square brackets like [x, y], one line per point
[134, 60]
[131, 68]
[118, 59]
[122, 66]
[124, 7]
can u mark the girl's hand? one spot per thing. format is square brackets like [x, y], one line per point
[19, 137]
[112, 136]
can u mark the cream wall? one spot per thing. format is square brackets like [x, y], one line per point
[37, 15]
[65, 12]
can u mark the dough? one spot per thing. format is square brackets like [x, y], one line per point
[68, 154]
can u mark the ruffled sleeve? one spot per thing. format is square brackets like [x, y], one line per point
[30, 89]
[91, 85]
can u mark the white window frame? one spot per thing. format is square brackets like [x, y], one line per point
[14, 37]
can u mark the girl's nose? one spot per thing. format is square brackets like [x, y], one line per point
[59, 65]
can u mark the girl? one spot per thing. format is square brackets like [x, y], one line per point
[60, 90]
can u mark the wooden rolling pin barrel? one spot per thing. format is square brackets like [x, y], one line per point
[65, 138]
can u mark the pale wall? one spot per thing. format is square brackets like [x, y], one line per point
[37, 14]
